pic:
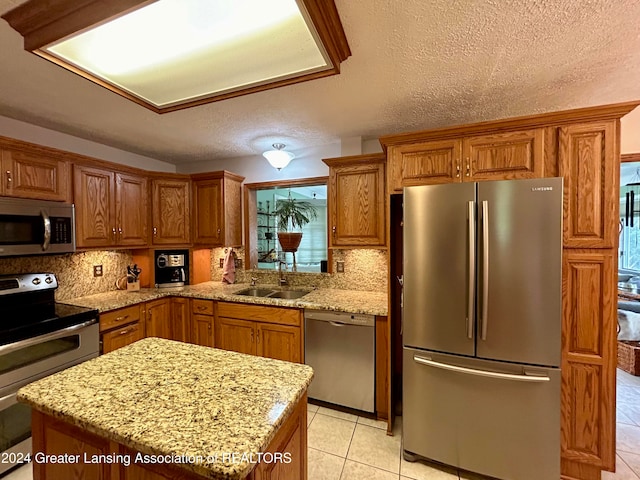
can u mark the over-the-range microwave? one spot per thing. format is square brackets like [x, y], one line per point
[32, 227]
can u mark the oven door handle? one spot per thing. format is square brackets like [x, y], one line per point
[6, 402]
[46, 221]
[28, 342]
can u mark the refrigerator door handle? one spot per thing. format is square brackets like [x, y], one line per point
[485, 268]
[527, 377]
[471, 288]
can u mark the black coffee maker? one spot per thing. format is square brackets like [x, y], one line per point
[172, 268]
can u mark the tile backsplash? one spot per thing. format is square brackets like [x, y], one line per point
[364, 269]
[74, 271]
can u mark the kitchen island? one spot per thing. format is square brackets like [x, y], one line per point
[161, 409]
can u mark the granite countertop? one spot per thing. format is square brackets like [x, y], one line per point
[351, 301]
[162, 397]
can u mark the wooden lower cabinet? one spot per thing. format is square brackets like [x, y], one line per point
[180, 319]
[260, 330]
[158, 318]
[588, 362]
[121, 327]
[202, 322]
[52, 436]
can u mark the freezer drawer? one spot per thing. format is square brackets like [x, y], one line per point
[505, 426]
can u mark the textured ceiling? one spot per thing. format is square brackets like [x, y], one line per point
[415, 64]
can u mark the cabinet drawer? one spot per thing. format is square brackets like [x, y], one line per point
[122, 337]
[202, 307]
[117, 318]
[282, 316]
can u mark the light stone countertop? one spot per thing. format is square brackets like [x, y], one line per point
[162, 397]
[351, 301]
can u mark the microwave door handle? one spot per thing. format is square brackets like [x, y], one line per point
[6, 402]
[47, 230]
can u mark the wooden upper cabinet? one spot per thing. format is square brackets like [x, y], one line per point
[357, 201]
[503, 156]
[30, 173]
[170, 211]
[111, 208]
[588, 160]
[94, 192]
[424, 163]
[131, 211]
[217, 209]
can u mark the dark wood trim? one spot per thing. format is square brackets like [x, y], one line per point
[42, 23]
[580, 115]
[630, 157]
[374, 157]
[294, 182]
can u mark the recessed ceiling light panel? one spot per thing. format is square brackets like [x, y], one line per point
[169, 54]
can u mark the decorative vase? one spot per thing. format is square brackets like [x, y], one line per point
[289, 241]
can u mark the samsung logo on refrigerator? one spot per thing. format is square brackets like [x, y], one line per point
[541, 189]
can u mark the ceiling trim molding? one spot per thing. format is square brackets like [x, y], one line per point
[588, 114]
[42, 23]
[293, 182]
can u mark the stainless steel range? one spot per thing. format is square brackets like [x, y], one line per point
[38, 337]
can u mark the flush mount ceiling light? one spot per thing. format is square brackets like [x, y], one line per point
[172, 54]
[278, 158]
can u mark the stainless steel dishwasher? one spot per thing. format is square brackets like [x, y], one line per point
[341, 349]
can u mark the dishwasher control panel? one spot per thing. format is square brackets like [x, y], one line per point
[359, 319]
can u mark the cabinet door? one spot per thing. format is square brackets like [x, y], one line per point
[170, 212]
[504, 156]
[588, 159]
[159, 319]
[180, 316]
[131, 209]
[209, 214]
[588, 358]
[31, 174]
[94, 199]
[279, 342]
[424, 163]
[235, 335]
[202, 330]
[121, 337]
[357, 204]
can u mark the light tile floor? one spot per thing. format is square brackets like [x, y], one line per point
[343, 446]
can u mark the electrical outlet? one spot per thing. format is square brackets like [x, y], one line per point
[97, 270]
[221, 262]
[340, 267]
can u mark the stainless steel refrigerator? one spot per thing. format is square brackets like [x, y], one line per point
[482, 326]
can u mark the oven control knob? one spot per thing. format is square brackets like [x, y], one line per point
[36, 281]
[48, 280]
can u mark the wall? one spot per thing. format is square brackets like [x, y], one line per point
[50, 138]
[629, 128]
[74, 271]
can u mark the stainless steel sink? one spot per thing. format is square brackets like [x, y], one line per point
[255, 292]
[288, 294]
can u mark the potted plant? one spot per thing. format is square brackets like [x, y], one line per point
[292, 214]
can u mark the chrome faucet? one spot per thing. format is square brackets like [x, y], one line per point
[283, 281]
[253, 281]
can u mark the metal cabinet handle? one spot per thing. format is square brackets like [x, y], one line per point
[258, 336]
[334, 230]
[119, 319]
[155, 231]
[113, 231]
[46, 222]
[120, 232]
[200, 307]
[219, 231]
[468, 174]
[127, 330]
[252, 335]
[458, 170]
[9, 180]
[472, 269]
[527, 377]
[485, 268]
